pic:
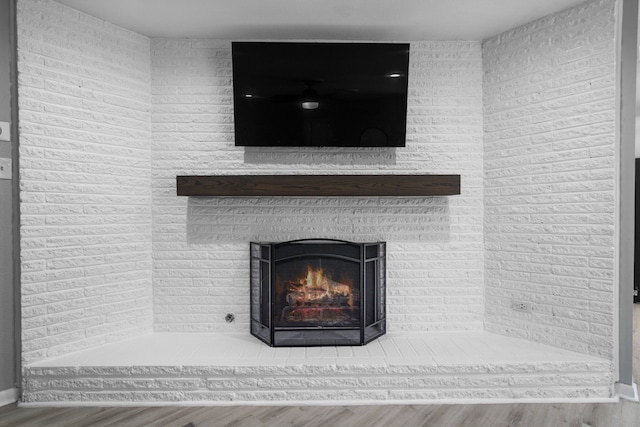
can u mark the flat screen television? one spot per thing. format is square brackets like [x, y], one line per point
[320, 94]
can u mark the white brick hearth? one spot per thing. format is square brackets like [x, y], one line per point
[238, 369]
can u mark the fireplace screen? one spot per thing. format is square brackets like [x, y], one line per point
[317, 292]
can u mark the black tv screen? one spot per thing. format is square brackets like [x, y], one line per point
[320, 94]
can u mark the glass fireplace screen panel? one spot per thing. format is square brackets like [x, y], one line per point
[316, 291]
[374, 283]
[382, 284]
[260, 284]
[370, 291]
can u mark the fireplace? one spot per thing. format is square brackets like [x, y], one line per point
[318, 292]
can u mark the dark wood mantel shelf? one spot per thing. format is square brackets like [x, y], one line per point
[318, 185]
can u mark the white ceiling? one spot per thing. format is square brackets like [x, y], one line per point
[374, 20]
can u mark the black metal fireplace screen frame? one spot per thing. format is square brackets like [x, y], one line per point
[371, 259]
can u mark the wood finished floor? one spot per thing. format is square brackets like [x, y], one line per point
[622, 414]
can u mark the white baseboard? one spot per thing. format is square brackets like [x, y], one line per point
[478, 401]
[627, 392]
[9, 396]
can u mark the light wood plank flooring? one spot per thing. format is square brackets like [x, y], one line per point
[622, 414]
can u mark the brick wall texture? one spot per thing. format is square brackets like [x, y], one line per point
[435, 244]
[550, 186]
[85, 192]
[108, 118]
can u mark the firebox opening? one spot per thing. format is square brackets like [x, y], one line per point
[317, 292]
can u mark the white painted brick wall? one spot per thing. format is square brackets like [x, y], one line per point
[85, 180]
[549, 104]
[91, 186]
[201, 245]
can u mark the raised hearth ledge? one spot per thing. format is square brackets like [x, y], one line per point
[236, 369]
[318, 185]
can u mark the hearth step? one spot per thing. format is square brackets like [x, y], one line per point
[210, 368]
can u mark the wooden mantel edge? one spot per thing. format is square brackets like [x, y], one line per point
[317, 185]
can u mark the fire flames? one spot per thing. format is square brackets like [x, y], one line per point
[316, 289]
